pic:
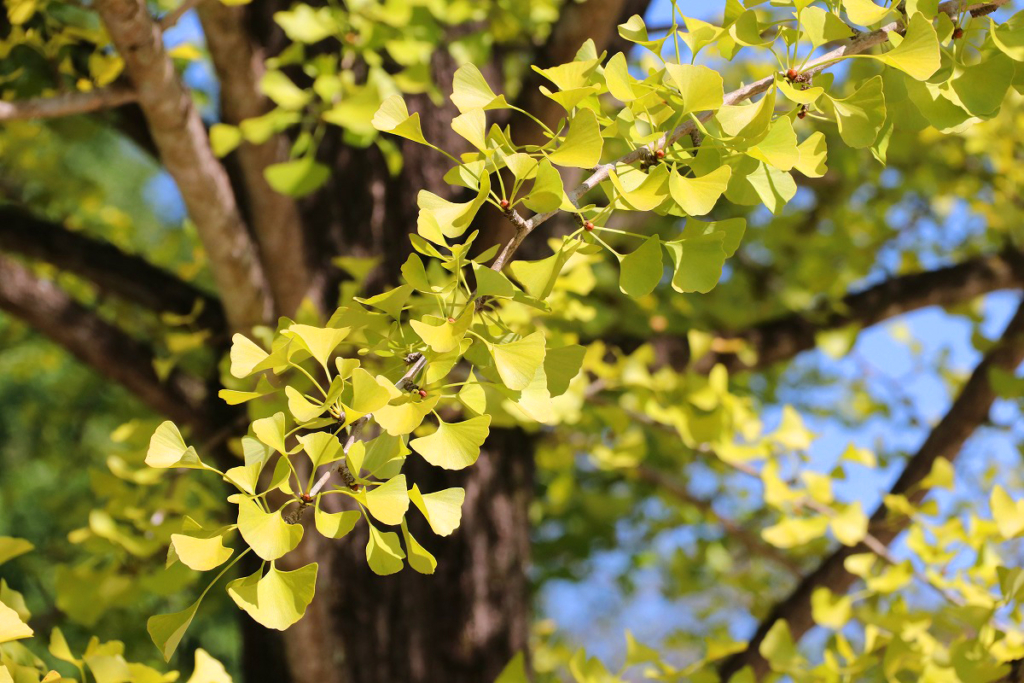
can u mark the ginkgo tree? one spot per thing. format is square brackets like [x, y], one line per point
[340, 418]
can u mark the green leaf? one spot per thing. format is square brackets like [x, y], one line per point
[517, 361]
[11, 625]
[1009, 37]
[472, 395]
[982, 87]
[747, 123]
[648, 194]
[167, 630]
[472, 125]
[1007, 513]
[778, 148]
[270, 430]
[391, 302]
[779, 648]
[471, 91]
[538, 277]
[831, 610]
[384, 552]
[697, 196]
[701, 88]
[746, 30]
[405, 416]
[618, 79]
[547, 191]
[207, 668]
[224, 139]
[582, 145]
[813, 151]
[917, 55]
[698, 262]
[167, 449]
[561, 366]
[245, 356]
[336, 524]
[319, 341]
[443, 335]
[278, 599]
[641, 271]
[795, 531]
[389, 502]
[11, 548]
[454, 446]
[492, 283]
[865, 12]
[369, 394]
[861, 115]
[420, 558]
[451, 219]
[635, 31]
[283, 92]
[322, 448]
[442, 509]
[301, 408]
[393, 117]
[200, 554]
[267, 533]
[822, 27]
[851, 525]
[304, 24]
[298, 177]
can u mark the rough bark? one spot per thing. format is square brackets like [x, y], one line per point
[968, 412]
[274, 217]
[184, 149]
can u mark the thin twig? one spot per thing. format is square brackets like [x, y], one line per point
[67, 104]
[174, 16]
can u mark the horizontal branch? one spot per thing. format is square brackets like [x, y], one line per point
[185, 152]
[113, 271]
[967, 413]
[67, 104]
[782, 338]
[100, 345]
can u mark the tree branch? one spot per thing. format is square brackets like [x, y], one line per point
[124, 275]
[968, 412]
[67, 104]
[101, 345]
[185, 151]
[782, 338]
[275, 218]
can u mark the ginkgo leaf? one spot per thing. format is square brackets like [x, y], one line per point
[830, 610]
[167, 630]
[517, 361]
[861, 115]
[393, 117]
[851, 525]
[405, 416]
[918, 54]
[319, 341]
[443, 335]
[1009, 37]
[245, 356]
[472, 125]
[60, 649]
[490, 282]
[821, 27]
[561, 366]
[455, 445]
[167, 449]
[618, 79]
[207, 668]
[384, 552]
[635, 31]
[799, 95]
[442, 509]
[1007, 513]
[697, 196]
[270, 430]
[641, 271]
[389, 502]
[419, 557]
[321, 447]
[451, 219]
[865, 12]
[391, 302]
[234, 398]
[778, 148]
[471, 91]
[747, 123]
[547, 191]
[813, 151]
[301, 408]
[795, 531]
[200, 554]
[651, 192]
[982, 87]
[582, 145]
[746, 30]
[267, 533]
[698, 262]
[472, 395]
[11, 625]
[701, 88]
[11, 548]
[278, 599]
[297, 177]
[538, 277]
[335, 524]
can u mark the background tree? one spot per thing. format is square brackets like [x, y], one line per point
[268, 121]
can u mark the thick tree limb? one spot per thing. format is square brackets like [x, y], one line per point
[782, 338]
[751, 541]
[67, 104]
[185, 151]
[275, 218]
[99, 344]
[113, 271]
[969, 411]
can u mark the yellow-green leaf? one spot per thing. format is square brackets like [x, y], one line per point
[278, 599]
[267, 533]
[471, 91]
[517, 361]
[641, 271]
[11, 625]
[443, 509]
[384, 552]
[582, 145]
[167, 630]
[200, 554]
[336, 524]
[420, 558]
[389, 502]
[393, 117]
[701, 88]
[167, 449]
[1007, 513]
[917, 55]
[697, 196]
[454, 446]
[851, 525]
